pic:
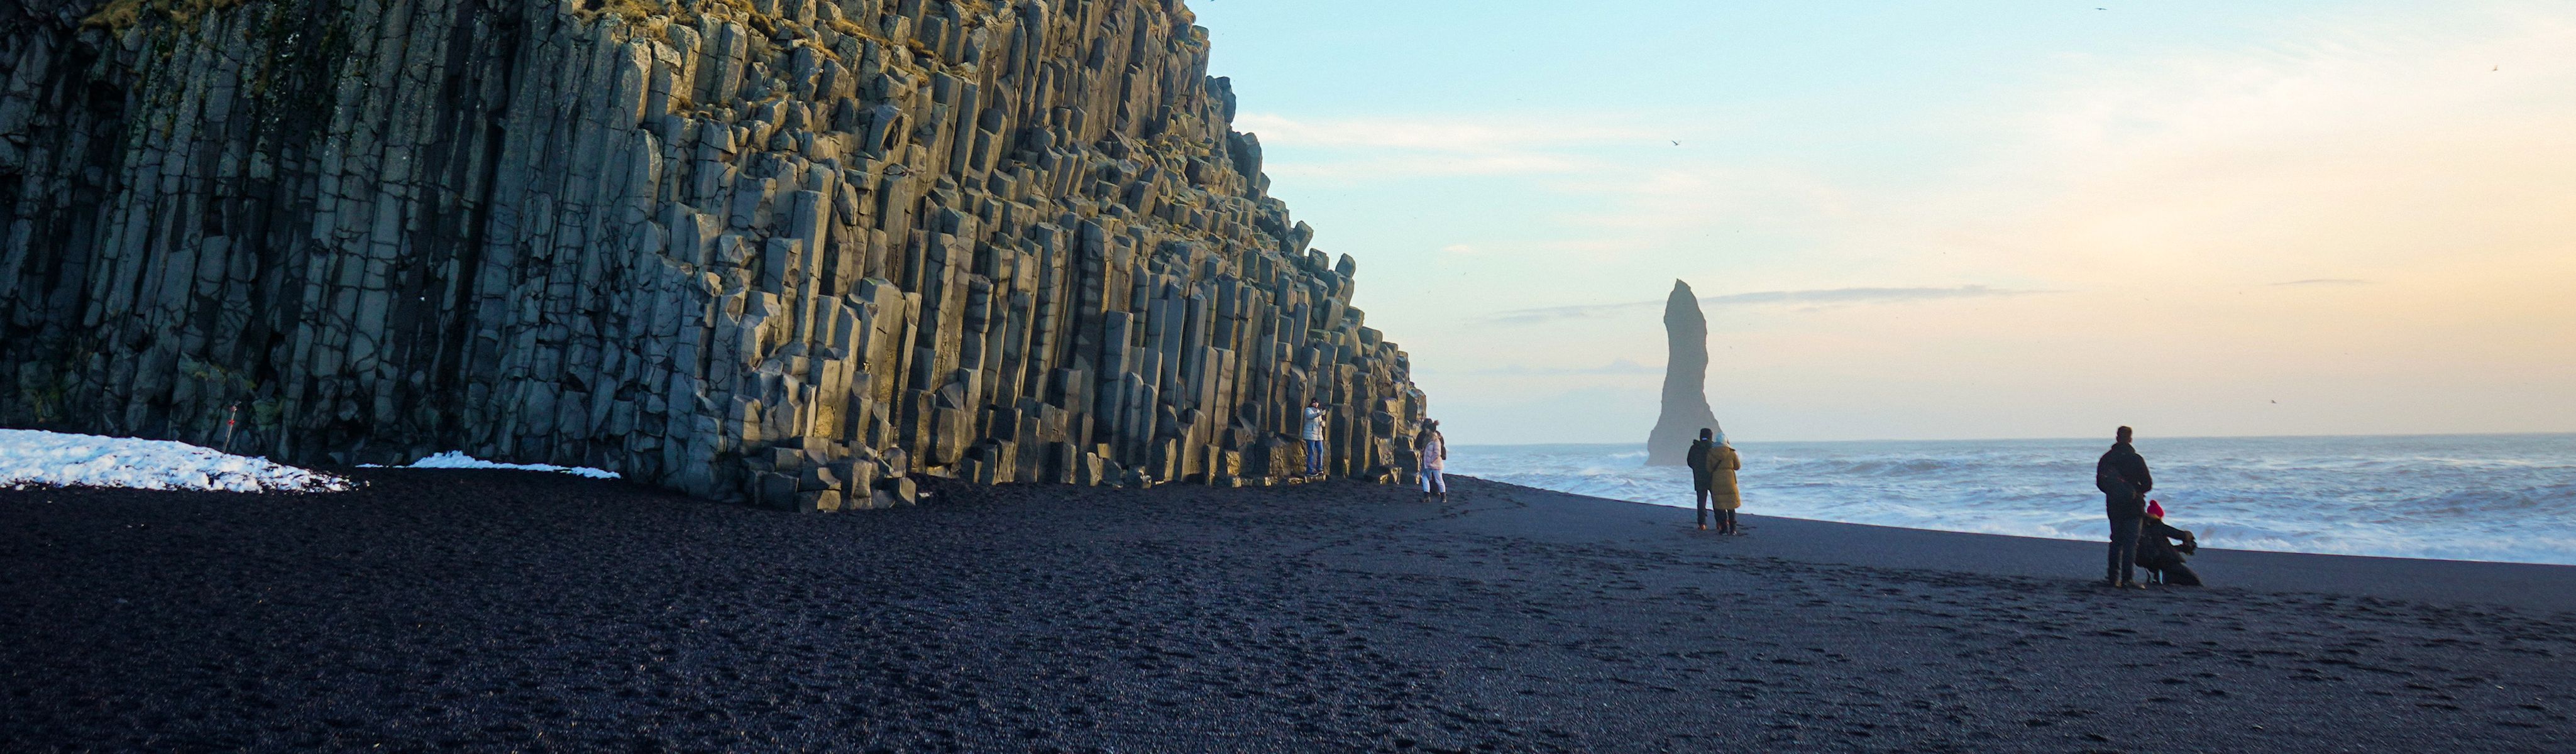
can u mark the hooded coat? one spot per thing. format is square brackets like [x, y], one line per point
[1714, 467]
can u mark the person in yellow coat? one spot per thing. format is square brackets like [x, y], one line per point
[1713, 463]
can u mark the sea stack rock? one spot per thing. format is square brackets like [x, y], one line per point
[801, 254]
[1685, 380]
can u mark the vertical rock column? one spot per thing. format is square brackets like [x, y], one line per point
[797, 254]
[1685, 410]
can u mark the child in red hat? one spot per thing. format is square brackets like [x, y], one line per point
[2158, 554]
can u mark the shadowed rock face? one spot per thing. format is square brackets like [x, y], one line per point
[791, 252]
[1685, 377]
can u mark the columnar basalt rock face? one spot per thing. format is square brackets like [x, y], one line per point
[1685, 410]
[794, 252]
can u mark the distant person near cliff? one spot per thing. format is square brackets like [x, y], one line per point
[1434, 451]
[2122, 477]
[1315, 415]
[2159, 555]
[1713, 464]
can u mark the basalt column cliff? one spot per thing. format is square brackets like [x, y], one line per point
[788, 251]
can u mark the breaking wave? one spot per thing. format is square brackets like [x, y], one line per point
[2483, 497]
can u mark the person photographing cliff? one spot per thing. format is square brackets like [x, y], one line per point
[1315, 416]
[1433, 449]
[2159, 555]
[2122, 477]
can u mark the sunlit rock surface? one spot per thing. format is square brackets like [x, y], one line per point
[782, 251]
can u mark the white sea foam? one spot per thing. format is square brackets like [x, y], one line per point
[459, 460]
[31, 458]
[2490, 497]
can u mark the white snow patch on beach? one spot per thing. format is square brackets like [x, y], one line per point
[459, 460]
[32, 458]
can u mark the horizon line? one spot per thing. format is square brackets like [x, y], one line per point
[2052, 439]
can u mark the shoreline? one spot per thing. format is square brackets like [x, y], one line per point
[523, 610]
[2545, 587]
[2484, 498]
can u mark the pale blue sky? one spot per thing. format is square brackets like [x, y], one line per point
[1943, 220]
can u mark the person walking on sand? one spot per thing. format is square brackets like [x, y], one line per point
[2122, 477]
[1713, 463]
[1433, 449]
[1315, 415]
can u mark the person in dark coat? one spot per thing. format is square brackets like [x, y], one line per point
[2122, 476]
[1713, 463]
[1697, 459]
[2159, 555]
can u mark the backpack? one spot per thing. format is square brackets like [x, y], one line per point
[2108, 479]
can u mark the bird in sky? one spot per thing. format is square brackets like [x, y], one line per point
[1677, 143]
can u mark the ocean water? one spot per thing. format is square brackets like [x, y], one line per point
[2461, 497]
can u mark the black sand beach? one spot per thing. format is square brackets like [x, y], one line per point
[490, 610]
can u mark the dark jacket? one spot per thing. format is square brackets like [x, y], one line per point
[2156, 548]
[1697, 458]
[2122, 477]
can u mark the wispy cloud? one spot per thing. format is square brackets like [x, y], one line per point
[1553, 313]
[1411, 147]
[2326, 281]
[1616, 366]
[1832, 296]
[1812, 298]
[1436, 134]
[2426, 141]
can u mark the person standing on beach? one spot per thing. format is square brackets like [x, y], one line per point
[1315, 437]
[1713, 464]
[1433, 449]
[2122, 476]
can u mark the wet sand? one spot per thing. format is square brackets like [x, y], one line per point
[481, 610]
